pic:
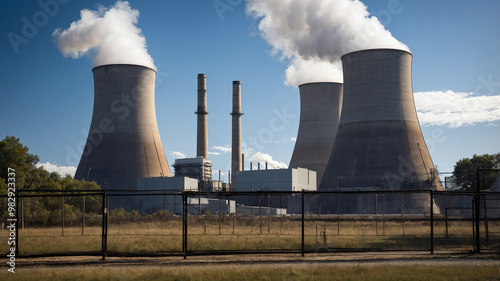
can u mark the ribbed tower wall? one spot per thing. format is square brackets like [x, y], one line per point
[123, 143]
[320, 108]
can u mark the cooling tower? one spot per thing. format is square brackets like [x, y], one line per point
[379, 144]
[202, 134]
[320, 106]
[123, 142]
[236, 156]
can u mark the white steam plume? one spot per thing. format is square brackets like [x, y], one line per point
[315, 34]
[110, 35]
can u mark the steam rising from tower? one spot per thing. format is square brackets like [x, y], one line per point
[109, 35]
[313, 35]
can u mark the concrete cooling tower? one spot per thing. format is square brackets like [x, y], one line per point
[379, 144]
[320, 107]
[123, 143]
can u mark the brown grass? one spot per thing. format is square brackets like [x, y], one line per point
[257, 233]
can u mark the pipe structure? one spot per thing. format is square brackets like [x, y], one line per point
[202, 134]
[236, 156]
[379, 144]
[320, 108]
[123, 143]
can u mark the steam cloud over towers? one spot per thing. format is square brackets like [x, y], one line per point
[313, 35]
[110, 35]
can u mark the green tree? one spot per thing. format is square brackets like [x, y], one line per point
[14, 155]
[465, 171]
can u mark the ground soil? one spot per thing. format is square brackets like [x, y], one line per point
[339, 259]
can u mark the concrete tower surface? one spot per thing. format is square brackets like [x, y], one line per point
[379, 144]
[320, 107]
[123, 142]
[202, 134]
[236, 156]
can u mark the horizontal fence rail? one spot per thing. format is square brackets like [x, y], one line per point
[188, 223]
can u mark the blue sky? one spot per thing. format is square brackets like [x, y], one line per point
[47, 99]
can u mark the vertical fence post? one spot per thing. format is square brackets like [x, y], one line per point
[22, 213]
[446, 221]
[268, 214]
[376, 214]
[383, 215]
[104, 225]
[432, 221]
[485, 222]
[83, 215]
[260, 214]
[403, 213]
[303, 212]
[281, 214]
[62, 214]
[338, 214]
[473, 215]
[219, 217]
[478, 213]
[184, 224]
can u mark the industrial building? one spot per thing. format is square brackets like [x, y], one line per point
[358, 136]
[295, 179]
[195, 168]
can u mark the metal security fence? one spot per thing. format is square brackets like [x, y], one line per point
[165, 223]
[52, 223]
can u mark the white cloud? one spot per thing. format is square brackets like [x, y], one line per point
[177, 154]
[224, 149]
[62, 170]
[266, 158]
[260, 157]
[456, 109]
[213, 153]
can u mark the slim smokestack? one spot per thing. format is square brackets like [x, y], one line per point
[202, 134]
[320, 107]
[123, 142]
[236, 157]
[379, 143]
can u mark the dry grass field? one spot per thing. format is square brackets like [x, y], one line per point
[259, 233]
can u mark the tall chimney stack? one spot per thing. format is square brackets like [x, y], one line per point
[202, 134]
[236, 157]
